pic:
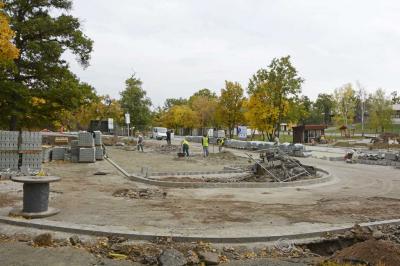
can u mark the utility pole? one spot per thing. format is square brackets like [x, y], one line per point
[363, 95]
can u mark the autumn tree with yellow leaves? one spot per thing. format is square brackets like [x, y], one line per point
[271, 92]
[230, 106]
[8, 51]
[180, 116]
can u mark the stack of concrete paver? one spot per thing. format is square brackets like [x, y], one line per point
[32, 161]
[74, 151]
[30, 141]
[58, 153]
[31, 149]
[9, 156]
[85, 139]
[21, 150]
[98, 143]
[9, 160]
[87, 150]
[46, 154]
[9, 140]
[87, 155]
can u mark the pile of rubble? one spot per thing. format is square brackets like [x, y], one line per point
[279, 167]
[374, 158]
[145, 193]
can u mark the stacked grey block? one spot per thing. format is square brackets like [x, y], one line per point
[58, 153]
[74, 151]
[9, 160]
[31, 141]
[46, 154]
[9, 140]
[99, 153]
[87, 150]
[85, 139]
[21, 150]
[98, 142]
[9, 156]
[32, 161]
[98, 138]
[87, 155]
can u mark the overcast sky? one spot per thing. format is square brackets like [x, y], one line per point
[180, 46]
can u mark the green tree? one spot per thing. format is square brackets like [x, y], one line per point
[43, 32]
[174, 101]
[135, 102]
[230, 106]
[380, 111]
[281, 83]
[299, 110]
[345, 105]
[323, 108]
[203, 93]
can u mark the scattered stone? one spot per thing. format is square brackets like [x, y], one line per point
[377, 234]
[209, 258]
[120, 144]
[43, 240]
[74, 240]
[193, 258]
[145, 193]
[149, 260]
[22, 238]
[172, 257]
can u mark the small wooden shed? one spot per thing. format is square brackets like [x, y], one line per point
[307, 133]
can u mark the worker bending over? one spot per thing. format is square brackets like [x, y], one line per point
[220, 142]
[185, 147]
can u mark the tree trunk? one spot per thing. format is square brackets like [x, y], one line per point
[13, 123]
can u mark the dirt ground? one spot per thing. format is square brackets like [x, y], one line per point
[360, 193]
[132, 160]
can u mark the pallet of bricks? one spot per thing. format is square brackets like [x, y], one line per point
[20, 151]
[89, 147]
[9, 156]
[31, 149]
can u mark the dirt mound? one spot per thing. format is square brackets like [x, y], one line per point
[371, 252]
[145, 193]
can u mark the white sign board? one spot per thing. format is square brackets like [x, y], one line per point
[110, 123]
[127, 118]
[242, 132]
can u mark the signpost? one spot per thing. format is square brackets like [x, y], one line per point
[110, 124]
[127, 121]
[242, 132]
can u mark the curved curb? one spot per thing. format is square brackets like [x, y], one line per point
[174, 184]
[134, 235]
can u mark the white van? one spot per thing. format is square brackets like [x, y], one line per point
[159, 133]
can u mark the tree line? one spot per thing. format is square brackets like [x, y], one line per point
[38, 89]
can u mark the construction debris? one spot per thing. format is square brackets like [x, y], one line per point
[145, 193]
[274, 163]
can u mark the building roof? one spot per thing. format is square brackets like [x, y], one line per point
[311, 127]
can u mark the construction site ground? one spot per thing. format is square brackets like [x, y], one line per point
[357, 193]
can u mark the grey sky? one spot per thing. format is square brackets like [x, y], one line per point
[178, 47]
